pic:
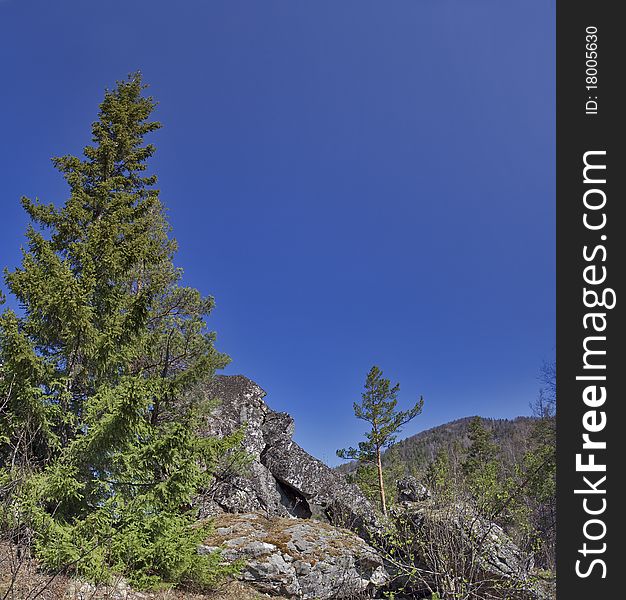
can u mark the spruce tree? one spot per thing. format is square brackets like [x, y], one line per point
[98, 422]
[482, 469]
[481, 450]
[378, 408]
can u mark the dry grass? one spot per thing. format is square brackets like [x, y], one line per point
[20, 579]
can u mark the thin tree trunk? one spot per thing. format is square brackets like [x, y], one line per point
[381, 484]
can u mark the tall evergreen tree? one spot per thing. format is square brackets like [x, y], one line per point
[482, 469]
[482, 449]
[378, 408]
[98, 365]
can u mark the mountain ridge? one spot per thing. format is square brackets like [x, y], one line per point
[417, 451]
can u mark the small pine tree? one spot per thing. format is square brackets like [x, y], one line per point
[378, 408]
[98, 366]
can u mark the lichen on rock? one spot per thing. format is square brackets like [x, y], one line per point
[297, 558]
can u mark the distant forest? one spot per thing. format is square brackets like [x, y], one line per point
[414, 454]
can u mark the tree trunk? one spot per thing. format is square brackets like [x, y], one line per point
[381, 484]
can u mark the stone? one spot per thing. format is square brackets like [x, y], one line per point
[118, 590]
[411, 490]
[282, 479]
[299, 559]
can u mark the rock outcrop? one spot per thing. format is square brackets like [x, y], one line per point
[291, 519]
[298, 558]
[282, 479]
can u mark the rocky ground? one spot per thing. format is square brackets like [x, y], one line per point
[298, 558]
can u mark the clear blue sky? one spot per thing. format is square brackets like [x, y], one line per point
[355, 182]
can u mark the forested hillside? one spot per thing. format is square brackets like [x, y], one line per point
[503, 468]
[416, 452]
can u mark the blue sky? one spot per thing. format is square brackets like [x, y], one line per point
[356, 183]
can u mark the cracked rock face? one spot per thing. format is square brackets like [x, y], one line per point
[297, 558]
[282, 480]
[281, 515]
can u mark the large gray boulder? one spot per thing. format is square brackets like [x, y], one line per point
[296, 558]
[282, 479]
